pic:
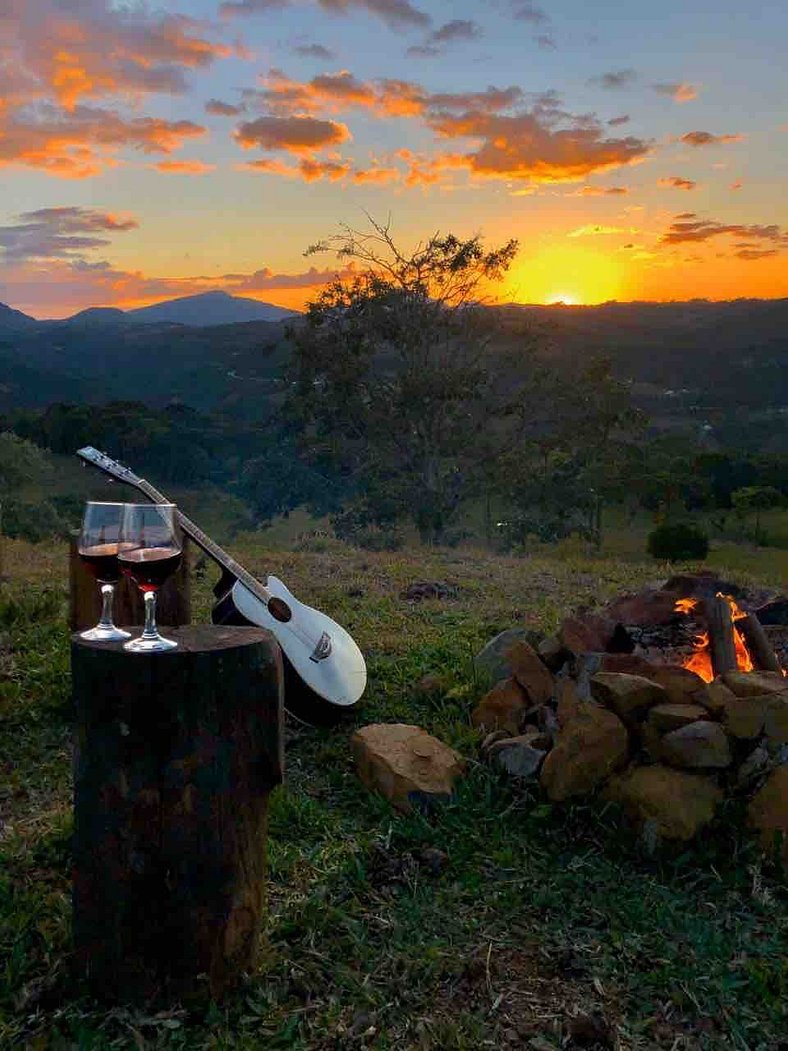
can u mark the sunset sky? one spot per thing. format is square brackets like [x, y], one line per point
[637, 151]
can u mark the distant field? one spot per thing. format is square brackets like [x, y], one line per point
[539, 915]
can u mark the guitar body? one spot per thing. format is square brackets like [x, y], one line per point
[321, 681]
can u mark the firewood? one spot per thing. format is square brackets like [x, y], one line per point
[722, 647]
[761, 653]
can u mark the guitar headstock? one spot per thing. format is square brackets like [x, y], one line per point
[108, 465]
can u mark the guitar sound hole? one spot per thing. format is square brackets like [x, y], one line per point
[279, 610]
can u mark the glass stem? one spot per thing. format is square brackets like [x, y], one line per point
[150, 630]
[107, 593]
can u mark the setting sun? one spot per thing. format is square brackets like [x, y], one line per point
[564, 274]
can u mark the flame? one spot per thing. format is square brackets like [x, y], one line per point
[699, 660]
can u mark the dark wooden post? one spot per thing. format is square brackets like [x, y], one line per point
[173, 605]
[175, 756]
[761, 652]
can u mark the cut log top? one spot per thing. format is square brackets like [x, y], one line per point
[196, 638]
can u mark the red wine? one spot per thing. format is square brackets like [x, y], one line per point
[102, 561]
[150, 566]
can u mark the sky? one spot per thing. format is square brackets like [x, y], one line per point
[637, 152]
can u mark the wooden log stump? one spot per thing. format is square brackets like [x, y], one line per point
[760, 649]
[176, 754]
[173, 604]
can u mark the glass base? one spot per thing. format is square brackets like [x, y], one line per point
[105, 634]
[154, 645]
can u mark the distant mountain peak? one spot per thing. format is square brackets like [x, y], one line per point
[215, 307]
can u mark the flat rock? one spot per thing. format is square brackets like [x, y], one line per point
[589, 633]
[629, 696]
[755, 683]
[405, 763]
[744, 718]
[675, 802]
[775, 725]
[530, 672]
[768, 814]
[666, 717]
[492, 661]
[718, 697]
[680, 684]
[588, 749]
[699, 746]
[553, 652]
[519, 756]
[502, 708]
[647, 609]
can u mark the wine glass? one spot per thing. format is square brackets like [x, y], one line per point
[150, 550]
[98, 549]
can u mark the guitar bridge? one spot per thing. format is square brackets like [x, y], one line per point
[322, 649]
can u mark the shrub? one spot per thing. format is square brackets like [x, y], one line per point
[678, 541]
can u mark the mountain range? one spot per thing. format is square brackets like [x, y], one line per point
[198, 311]
[717, 365]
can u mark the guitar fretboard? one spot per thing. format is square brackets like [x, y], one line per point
[209, 546]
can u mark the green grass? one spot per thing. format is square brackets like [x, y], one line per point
[536, 914]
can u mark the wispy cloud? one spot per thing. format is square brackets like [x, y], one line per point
[677, 183]
[60, 233]
[315, 51]
[688, 228]
[682, 92]
[398, 14]
[615, 79]
[706, 138]
[184, 167]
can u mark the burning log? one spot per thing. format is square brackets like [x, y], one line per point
[722, 643]
[761, 653]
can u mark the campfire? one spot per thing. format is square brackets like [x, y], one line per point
[730, 638]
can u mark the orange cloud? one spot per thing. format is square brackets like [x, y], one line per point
[297, 134]
[95, 48]
[184, 167]
[705, 138]
[334, 169]
[599, 191]
[82, 143]
[525, 147]
[677, 183]
[682, 92]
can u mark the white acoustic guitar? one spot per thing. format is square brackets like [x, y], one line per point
[324, 668]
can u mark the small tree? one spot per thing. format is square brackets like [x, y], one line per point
[401, 378]
[753, 499]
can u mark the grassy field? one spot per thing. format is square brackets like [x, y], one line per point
[534, 927]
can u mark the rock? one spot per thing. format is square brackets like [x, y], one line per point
[755, 683]
[768, 814]
[666, 717]
[699, 746]
[717, 698]
[677, 804]
[492, 738]
[705, 584]
[405, 763]
[553, 652]
[503, 708]
[629, 696]
[590, 633]
[775, 725]
[774, 612]
[531, 673]
[492, 661]
[589, 748]
[518, 756]
[757, 763]
[569, 702]
[680, 684]
[647, 609]
[429, 589]
[584, 668]
[744, 719]
[627, 663]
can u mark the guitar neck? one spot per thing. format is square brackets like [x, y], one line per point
[209, 546]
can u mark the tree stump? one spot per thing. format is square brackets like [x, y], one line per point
[173, 604]
[176, 754]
